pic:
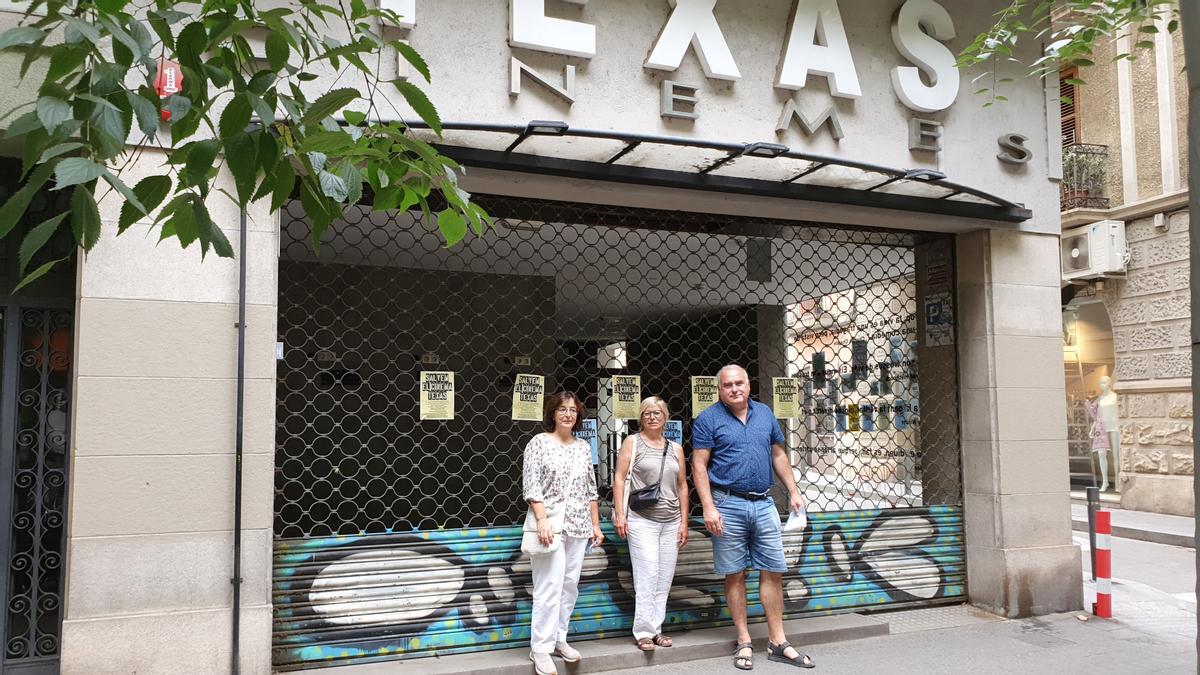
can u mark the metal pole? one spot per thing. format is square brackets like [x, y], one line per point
[236, 580]
[1189, 14]
[1093, 502]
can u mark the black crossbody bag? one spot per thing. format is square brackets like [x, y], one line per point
[646, 497]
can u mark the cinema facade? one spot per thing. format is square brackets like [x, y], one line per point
[807, 188]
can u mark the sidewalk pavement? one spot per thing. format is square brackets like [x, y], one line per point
[1151, 632]
[1152, 527]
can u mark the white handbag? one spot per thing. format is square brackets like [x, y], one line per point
[530, 544]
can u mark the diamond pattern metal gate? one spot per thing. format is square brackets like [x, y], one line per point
[397, 537]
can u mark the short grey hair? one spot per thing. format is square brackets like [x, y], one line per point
[732, 366]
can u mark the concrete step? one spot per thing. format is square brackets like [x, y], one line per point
[621, 653]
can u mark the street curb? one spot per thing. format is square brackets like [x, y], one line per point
[621, 653]
[1168, 538]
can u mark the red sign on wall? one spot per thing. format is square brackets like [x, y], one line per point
[168, 81]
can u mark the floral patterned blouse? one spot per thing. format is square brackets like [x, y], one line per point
[562, 474]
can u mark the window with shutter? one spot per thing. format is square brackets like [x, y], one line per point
[1068, 107]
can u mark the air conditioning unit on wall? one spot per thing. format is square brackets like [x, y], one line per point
[1094, 251]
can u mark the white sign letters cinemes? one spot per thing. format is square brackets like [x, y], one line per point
[928, 52]
[692, 23]
[816, 43]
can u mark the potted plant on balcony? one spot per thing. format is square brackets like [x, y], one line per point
[1083, 177]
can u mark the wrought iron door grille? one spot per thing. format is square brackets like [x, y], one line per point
[35, 572]
[552, 290]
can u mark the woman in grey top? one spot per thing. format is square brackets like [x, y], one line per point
[655, 534]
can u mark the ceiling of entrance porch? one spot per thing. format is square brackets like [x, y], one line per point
[607, 278]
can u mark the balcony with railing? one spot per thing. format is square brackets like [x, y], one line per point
[1083, 177]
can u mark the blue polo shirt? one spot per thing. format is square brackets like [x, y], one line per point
[741, 453]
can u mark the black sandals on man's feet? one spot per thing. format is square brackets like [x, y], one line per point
[778, 653]
[743, 662]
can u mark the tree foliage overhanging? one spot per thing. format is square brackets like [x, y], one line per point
[242, 106]
[1070, 31]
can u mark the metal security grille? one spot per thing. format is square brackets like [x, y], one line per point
[38, 517]
[372, 502]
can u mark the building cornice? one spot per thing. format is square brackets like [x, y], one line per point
[1143, 208]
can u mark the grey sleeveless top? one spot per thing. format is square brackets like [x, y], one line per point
[645, 472]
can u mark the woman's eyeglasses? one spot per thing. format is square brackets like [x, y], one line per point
[567, 411]
[653, 414]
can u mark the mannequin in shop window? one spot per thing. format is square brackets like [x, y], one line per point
[1105, 430]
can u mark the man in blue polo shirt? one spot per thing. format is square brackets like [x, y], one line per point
[736, 443]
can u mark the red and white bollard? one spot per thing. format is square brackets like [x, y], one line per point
[1103, 605]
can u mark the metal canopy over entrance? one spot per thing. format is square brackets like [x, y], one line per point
[398, 537]
[760, 168]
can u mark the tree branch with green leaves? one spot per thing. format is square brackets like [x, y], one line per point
[1070, 31]
[243, 106]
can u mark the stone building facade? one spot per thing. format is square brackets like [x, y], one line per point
[1133, 115]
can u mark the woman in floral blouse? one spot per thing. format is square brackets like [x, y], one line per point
[559, 481]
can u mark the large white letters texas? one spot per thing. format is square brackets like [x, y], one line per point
[813, 21]
[692, 23]
[929, 55]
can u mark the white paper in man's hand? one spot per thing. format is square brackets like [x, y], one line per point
[796, 521]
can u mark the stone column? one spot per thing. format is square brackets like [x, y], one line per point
[1020, 559]
[150, 544]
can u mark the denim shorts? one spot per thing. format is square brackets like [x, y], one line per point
[752, 535]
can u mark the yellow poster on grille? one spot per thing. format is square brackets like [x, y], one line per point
[627, 396]
[704, 393]
[437, 395]
[529, 394]
[786, 395]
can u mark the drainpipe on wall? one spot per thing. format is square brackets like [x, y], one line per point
[236, 580]
[1189, 13]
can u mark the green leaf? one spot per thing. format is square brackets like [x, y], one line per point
[329, 104]
[111, 6]
[66, 61]
[38, 273]
[421, 104]
[21, 35]
[59, 149]
[183, 221]
[107, 78]
[452, 226]
[14, 209]
[79, 30]
[200, 161]
[37, 238]
[333, 186]
[236, 117]
[120, 186]
[285, 183]
[261, 82]
[76, 170]
[23, 125]
[208, 233]
[277, 50]
[52, 112]
[326, 142]
[355, 117]
[413, 58]
[85, 217]
[241, 156]
[179, 106]
[150, 191]
[261, 108]
[146, 112]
